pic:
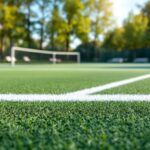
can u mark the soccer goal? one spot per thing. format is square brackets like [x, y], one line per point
[54, 56]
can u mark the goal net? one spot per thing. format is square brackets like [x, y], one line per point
[19, 54]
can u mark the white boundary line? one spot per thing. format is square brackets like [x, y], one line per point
[83, 95]
[62, 98]
[110, 85]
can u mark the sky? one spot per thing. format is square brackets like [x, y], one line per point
[121, 8]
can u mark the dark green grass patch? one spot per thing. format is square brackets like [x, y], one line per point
[93, 125]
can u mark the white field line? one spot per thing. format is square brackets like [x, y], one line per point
[63, 98]
[83, 95]
[110, 85]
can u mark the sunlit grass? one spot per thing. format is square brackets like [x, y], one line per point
[54, 82]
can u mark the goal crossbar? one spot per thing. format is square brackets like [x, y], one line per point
[53, 53]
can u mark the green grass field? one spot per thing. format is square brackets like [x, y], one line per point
[73, 125]
[141, 87]
[60, 79]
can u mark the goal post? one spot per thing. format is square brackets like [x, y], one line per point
[53, 53]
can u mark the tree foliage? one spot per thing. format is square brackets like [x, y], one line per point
[101, 13]
[55, 24]
[115, 39]
[135, 30]
[56, 21]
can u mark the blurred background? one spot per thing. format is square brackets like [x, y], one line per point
[101, 30]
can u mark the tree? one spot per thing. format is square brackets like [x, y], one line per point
[1, 27]
[146, 11]
[115, 39]
[10, 23]
[83, 29]
[135, 30]
[101, 14]
[64, 23]
[44, 7]
[72, 10]
[27, 4]
[55, 26]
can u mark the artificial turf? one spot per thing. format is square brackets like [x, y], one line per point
[59, 81]
[140, 87]
[57, 126]
[73, 125]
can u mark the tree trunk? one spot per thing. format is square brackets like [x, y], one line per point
[68, 36]
[1, 48]
[42, 37]
[67, 42]
[52, 41]
[28, 27]
[42, 26]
